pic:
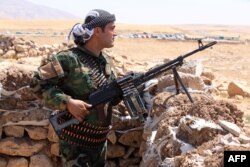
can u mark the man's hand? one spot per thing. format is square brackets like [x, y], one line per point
[78, 108]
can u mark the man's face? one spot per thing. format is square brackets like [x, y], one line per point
[108, 35]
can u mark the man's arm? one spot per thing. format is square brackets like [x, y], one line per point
[47, 83]
[46, 91]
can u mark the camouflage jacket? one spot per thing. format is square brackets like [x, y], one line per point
[65, 75]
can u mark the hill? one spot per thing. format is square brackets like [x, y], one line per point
[16, 9]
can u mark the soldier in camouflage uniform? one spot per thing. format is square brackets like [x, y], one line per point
[65, 81]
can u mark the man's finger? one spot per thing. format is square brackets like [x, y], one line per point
[87, 105]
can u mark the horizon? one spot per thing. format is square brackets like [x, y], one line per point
[165, 12]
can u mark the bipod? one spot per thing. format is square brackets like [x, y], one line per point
[177, 79]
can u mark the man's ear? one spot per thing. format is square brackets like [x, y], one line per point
[97, 30]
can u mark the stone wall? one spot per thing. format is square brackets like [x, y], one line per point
[15, 48]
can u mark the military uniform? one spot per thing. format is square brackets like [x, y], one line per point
[75, 73]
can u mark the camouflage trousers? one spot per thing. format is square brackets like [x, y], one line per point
[75, 156]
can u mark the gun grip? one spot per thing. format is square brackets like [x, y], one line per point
[58, 127]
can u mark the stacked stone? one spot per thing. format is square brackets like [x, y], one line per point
[124, 142]
[27, 140]
[15, 48]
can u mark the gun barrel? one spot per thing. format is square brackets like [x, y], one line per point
[202, 47]
[152, 73]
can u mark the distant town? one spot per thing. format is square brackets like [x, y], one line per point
[160, 36]
[180, 36]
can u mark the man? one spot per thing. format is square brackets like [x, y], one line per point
[65, 81]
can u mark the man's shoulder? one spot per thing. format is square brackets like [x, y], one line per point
[68, 52]
[67, 55]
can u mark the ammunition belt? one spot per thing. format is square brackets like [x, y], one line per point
[96, 73]
[84, 134]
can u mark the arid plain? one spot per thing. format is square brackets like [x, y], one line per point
[228, 61]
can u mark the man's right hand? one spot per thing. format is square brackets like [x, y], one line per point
[78, 108]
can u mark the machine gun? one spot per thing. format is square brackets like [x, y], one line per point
[126, 88]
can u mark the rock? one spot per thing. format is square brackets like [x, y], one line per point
[21, 55]
[236, 88]
[132, 138]
[36, 117]
[56, 46]
[222, 87]
[40, 160]
[112, 137]
[206, 80]
[3, 162]
[54, 149]
[192, 67]
[124, 123]
[32, 52]
[130, 150]
[21, 48]
[169, 146]
[223, 94]
[246, 128]
[239, 97]
[20, 146]
[196, 131]
[208, 74]
[18, 41]
[189, 80]
[18, 162]
[194, 160]
[52, 136]
[142, 148]
[14, 131]
[230, 139]
[1, 52]
[37, 133]
[230, 127]
[9, 54]
[115, 151]
[244, 139]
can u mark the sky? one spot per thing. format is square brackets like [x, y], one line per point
[165, 12]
